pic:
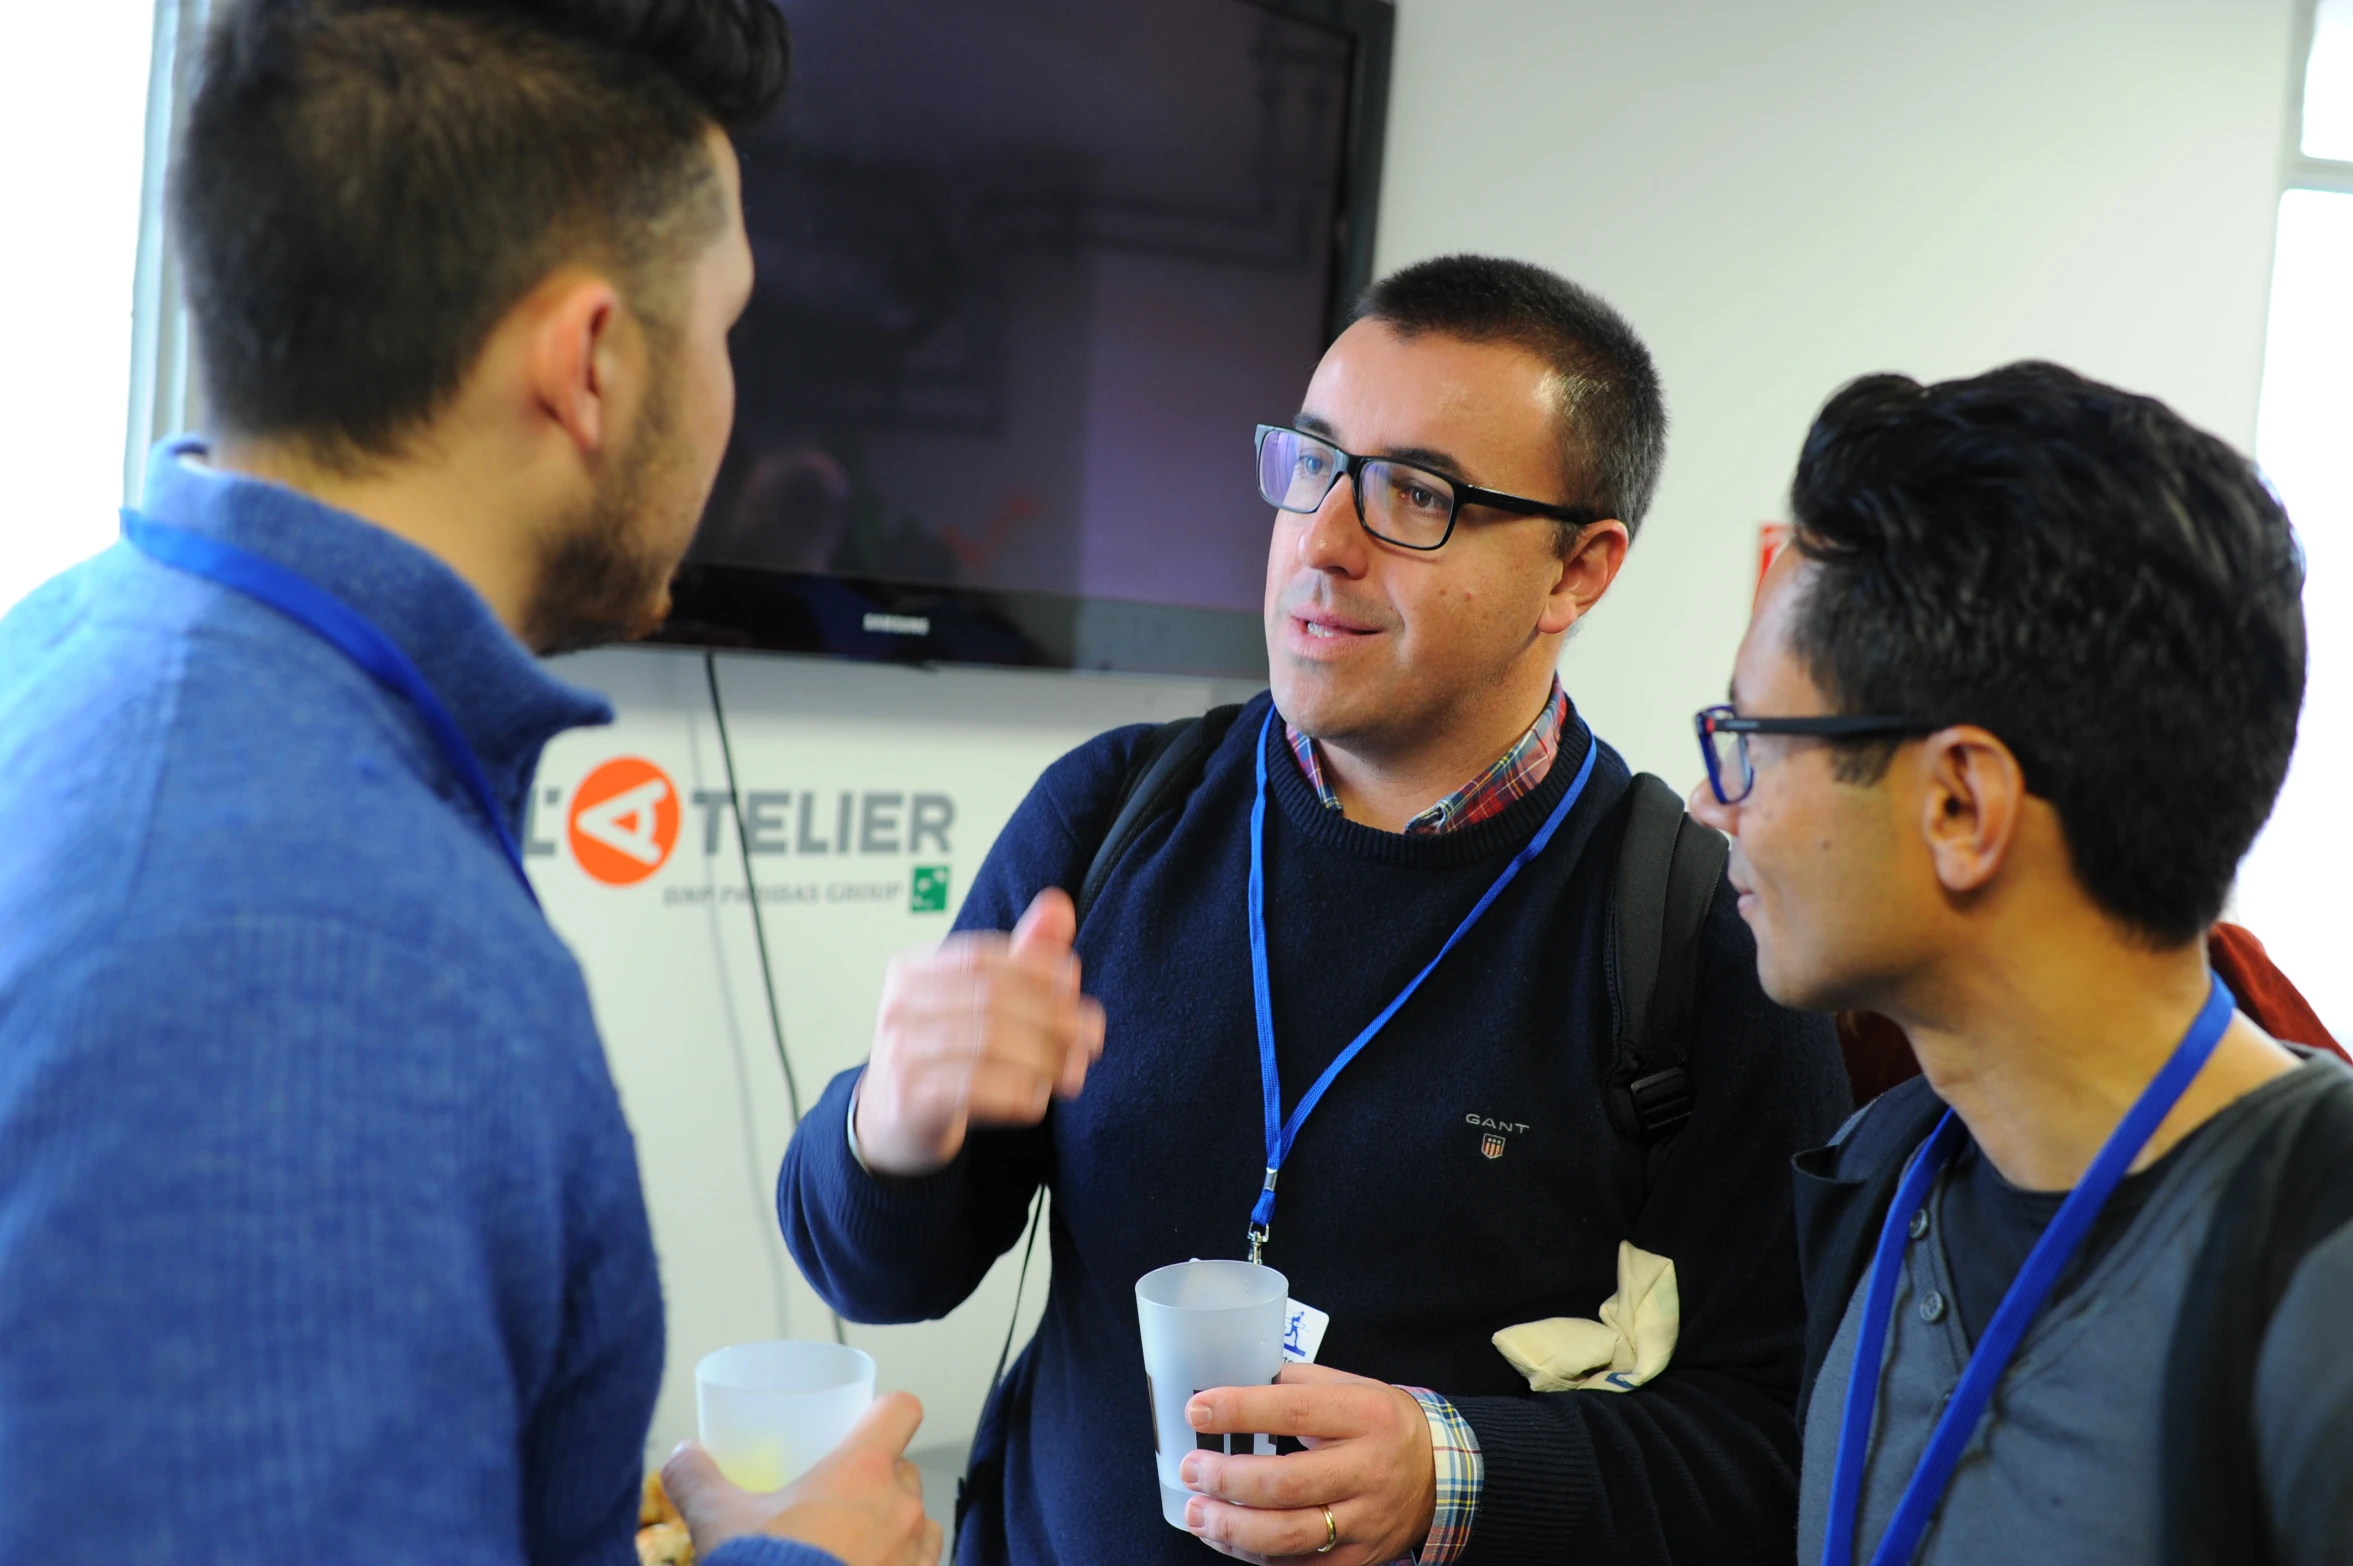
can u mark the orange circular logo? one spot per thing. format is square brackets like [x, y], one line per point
[624, 821]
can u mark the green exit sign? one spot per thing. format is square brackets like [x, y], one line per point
[927, 889]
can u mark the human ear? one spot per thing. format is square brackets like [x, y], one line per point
[1970, 805]
[1586, 571]
[575, 357]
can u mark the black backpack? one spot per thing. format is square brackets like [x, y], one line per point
[1665, 879]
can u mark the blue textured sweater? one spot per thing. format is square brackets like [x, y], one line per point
[320, 1230]
[1395, 1218]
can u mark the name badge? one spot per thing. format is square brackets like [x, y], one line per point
[1303, 1332]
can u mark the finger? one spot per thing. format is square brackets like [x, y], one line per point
[928, 1551]
[1300, 1372]
[971, 1011]
[1085, 1051]
[1247, 1531]
[888, 1424]
[1048, 926]
[1008, 1095]
[1279, 1483]
[1303, 1409]
[697, 1488]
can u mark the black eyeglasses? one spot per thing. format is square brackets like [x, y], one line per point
[1396, 502]
[1723, 741]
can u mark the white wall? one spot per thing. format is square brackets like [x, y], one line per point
[73, 127]
[1780, 197]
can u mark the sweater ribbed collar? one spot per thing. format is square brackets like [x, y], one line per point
[502, 701]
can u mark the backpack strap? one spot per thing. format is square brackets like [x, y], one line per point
[1665, 880]
[2290, 1195]
[1160, 776]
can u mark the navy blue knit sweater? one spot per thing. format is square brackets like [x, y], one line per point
[1392, 1219]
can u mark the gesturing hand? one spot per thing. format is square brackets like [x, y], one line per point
[1368, 1459]
[983, 1031]
[864, 1502]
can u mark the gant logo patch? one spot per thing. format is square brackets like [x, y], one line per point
[1491, 1144]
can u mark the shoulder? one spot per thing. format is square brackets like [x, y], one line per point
[1054, 832]
[2304, 1407]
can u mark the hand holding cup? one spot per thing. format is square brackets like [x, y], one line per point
[863, 1502]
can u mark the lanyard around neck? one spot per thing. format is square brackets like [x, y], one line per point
[341, 627]
[1281, 1133]
[2020, 1304]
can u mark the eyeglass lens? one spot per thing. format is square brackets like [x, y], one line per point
[1728, 765]
[1403, 504]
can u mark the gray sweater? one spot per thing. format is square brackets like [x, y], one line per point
[2064, 1465]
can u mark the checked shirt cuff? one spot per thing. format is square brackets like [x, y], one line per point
[1456, 1447]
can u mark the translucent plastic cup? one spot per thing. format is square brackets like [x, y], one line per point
[767, 1412]
[1205, 1324]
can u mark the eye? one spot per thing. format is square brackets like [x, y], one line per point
[1311, 464]
[1423, 498]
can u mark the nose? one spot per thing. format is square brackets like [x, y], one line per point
[1708, 810]
[1331, 539]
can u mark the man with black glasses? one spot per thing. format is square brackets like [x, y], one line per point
[1370, 948]
[2011, 710]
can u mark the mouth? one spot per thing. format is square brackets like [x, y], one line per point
[1316, 625]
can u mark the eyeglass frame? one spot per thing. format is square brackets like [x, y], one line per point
[1464, 493]
[1723, 719]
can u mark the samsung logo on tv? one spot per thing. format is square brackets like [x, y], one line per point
[899, 624]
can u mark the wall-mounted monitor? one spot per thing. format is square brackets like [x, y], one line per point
[1030, 271]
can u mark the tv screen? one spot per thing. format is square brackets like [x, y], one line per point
[1030, 271]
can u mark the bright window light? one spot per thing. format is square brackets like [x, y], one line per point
[2291, 890]
[73, 126]
[2328, 83]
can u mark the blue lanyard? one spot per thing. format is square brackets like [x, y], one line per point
[2023, 1301]
[340, 626]
[1281, 1133]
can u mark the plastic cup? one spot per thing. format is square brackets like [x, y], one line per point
[766, 1412]
[1205, 1324]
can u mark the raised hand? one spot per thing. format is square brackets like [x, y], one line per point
[983, 1031]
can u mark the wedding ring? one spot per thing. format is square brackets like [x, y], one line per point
[1331, 1533]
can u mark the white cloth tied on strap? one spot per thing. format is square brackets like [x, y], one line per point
[1631, 1343]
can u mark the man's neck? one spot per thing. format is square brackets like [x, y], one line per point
[2042, 1049]
[1385, 787]
[439, 509]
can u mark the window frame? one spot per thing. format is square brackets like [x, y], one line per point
[2297, 171]
[163, 396]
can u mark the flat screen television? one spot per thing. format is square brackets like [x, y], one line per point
[1030, 271]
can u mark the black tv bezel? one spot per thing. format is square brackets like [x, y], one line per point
[752, 608]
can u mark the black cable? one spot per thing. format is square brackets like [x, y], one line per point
[1037, 1213]
[751, 887]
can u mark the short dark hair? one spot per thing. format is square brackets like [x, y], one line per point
[365, 187]
[2113, 592]
[1613, 417]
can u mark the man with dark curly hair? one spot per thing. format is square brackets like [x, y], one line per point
[2011, 710]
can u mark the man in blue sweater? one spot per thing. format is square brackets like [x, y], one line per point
[320, 1230]
[1456, 492]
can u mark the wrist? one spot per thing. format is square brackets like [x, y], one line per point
[876, 1147]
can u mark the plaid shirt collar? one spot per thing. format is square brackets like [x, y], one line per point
[1514, 774]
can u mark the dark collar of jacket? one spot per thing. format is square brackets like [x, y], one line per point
[1843, 1192]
